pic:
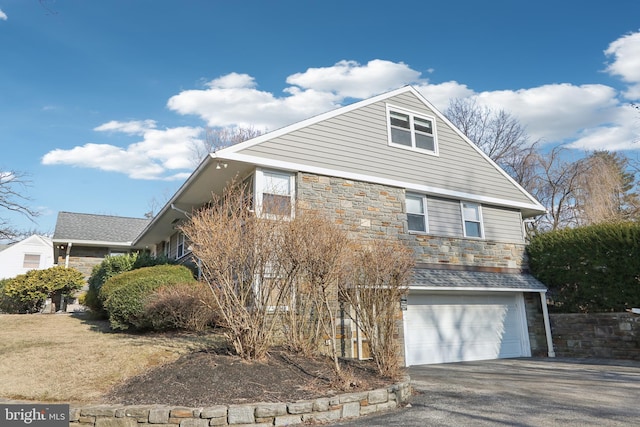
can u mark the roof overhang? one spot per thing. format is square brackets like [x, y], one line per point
[468, 279]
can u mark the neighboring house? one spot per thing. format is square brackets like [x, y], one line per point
[83, 240]
[394, 167]
[33, 253]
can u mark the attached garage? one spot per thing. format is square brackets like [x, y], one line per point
[455, 316]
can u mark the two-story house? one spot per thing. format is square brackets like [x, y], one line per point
[392, 166]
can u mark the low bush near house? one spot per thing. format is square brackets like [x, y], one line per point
[27, 293]
[186, 306]
[124, 296]
[112, 266]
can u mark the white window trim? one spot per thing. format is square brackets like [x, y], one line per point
[464, 220]
[259, 183]
[412, 114]
[180, 237]
[426, 215]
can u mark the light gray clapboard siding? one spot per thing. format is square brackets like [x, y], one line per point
[502, 224]
[357, 142]
[445, 219]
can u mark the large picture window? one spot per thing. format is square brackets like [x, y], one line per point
[416, 213]
[412, 131]
[472, 219]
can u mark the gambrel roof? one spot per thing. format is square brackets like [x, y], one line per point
[352, 143]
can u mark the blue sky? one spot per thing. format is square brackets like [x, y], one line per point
[101, 102]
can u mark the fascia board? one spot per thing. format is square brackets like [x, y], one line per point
[473, 289]
[94, 243]
[436, 191]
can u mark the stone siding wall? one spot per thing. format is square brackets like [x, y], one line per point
[373, 211]
[321, 410]
[603, 335]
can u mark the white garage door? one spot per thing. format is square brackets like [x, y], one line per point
[441, 328]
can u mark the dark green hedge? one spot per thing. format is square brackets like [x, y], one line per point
[124, 295]
[589, 269]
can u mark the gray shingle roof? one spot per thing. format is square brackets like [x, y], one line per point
[442, 278]
[72, 226]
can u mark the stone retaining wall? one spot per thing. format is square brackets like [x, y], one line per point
[602, 335]
[326, 409]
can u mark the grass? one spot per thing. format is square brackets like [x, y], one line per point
[72, 358]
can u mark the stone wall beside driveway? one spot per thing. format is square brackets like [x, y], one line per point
[325, 409]
[600, 335]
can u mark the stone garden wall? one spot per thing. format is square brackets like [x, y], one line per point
[601, 335]
[326, 409]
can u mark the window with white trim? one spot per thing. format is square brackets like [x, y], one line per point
[411, 131]
[180, 246]
[31, 261]
[417, 213]
[275, 193]
[471, 219]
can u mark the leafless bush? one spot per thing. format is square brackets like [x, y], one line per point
[377, 278]
[188, 306]
[313, 250]
[237, 252]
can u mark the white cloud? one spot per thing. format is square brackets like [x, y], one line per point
[440, 94]
[160, 152]
[625, 52]
[3, 16]
[134, 127]
[349, 79]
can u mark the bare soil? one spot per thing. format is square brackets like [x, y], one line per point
[210, 378]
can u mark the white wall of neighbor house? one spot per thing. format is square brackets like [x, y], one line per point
[33, 253]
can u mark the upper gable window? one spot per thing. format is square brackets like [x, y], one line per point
[472, 219]
[416, 213]
[411, 131]
[274, 193]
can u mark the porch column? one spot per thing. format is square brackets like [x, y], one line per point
[547, 323]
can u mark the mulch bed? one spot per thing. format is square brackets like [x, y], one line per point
[214, 378]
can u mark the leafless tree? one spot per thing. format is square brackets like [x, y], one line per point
[218, 138]
[13, 198]
[497, 133]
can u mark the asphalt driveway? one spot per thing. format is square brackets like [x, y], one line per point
[520, 392]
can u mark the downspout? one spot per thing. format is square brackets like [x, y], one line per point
[66, 258]
[547, 324]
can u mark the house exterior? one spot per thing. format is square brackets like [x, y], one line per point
[33, 253]
[393, 167]
[83, 240]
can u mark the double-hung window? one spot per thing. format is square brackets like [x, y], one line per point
[274, 193]
[417, 213]
[180, 246]
[411, 131]
[472, 219]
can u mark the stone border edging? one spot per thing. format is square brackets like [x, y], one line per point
[320, 410]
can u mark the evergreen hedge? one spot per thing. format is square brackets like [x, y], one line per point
[124, 296]
[589, 269]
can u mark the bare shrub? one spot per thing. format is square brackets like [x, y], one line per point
[237, 252]
[377, 278]
[313, 249]
[188, 306]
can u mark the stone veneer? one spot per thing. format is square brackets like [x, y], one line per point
[325, 409]
[602, 335]
[374, 211]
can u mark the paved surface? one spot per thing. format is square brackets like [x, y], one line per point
[519, 392]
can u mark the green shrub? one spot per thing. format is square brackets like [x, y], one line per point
[29, 291]
[186, 306]
[124, 296]
[589, 269]
[112, 266]
[9, 304]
